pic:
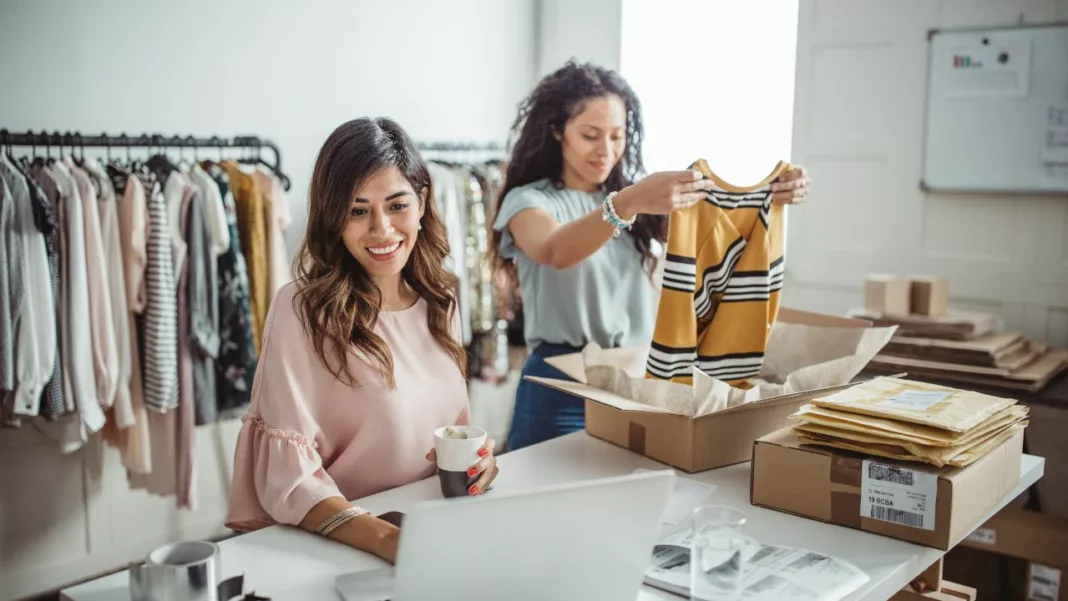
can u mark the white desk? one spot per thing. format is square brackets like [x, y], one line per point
[286, 563]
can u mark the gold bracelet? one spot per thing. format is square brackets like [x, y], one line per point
[338, 519]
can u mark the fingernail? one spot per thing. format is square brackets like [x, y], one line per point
[473, 490]
[482, 452]
[472, 471]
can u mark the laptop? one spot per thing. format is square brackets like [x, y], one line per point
[589, 540]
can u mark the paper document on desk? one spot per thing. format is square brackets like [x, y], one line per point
[771, 572]
[687, 496]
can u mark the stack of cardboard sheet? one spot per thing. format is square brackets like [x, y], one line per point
[1005, 360]
[912, 421]
[935, 342]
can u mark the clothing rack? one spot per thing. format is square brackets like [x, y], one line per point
[73, 140]
[460, 146]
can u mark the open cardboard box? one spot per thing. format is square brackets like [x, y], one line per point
[690, 444]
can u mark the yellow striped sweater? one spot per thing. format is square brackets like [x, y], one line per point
[722, 278]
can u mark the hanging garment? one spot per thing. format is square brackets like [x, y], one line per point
[173, 195]
[105, 354]
[76, 337]
[253, 227]
[450, 204]
[52, 402]
[161, 310]
[203, 303]
[236, 364]
[133, 442]
[160, 365]
[36, 334]
[186, 390]
[8, 304]
[214, 211]
[276, 215]
[121, 413]
[722, 277]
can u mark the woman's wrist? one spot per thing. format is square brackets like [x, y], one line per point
[376, 536]
[623, 202]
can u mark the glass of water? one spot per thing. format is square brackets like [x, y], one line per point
[716, 563]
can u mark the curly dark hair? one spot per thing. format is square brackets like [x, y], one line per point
[536, 152]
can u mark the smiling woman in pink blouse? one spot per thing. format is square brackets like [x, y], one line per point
[361, 358]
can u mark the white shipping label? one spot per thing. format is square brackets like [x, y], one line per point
[892, 493]
[1045, 583]
[917, 400]
[984, 536]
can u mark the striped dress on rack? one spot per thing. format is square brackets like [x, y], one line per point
[722, 278]
[161, 311]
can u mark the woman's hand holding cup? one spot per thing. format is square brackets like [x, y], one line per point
[465, 460]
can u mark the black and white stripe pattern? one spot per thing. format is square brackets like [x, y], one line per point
[754, 285]
[734, 366]
[680, 273]
[666, 362]
[714, 280]
[161, 312]
[756, 199]
[764, 214]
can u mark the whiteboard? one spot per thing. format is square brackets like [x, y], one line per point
[997, 110]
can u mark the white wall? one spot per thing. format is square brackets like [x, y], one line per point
[586, 30]
[716, 81]
[858, 125]
[288, 71]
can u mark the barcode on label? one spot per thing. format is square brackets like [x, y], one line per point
[889, 473]
[906, 518]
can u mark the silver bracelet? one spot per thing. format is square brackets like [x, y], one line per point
[609, 214]
[339, 518]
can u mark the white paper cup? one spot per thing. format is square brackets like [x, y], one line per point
[455, 457]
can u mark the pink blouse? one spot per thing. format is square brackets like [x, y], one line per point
[307, 436]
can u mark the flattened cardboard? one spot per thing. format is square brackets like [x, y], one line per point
[825, 484]
[956, 325]
[690, 444]
[983, 351]
[1030, 378]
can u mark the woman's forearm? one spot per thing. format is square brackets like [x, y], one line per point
[365, 532]
[572, 243]
[567, 245]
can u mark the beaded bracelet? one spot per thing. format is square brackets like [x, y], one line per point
[339, 518]
[608, 213]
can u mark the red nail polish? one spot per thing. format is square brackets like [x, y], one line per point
[473, 490]
[482, 452]
[472, 471]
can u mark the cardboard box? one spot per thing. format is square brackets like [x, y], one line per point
[887, 295]
[1045, 437]
[1024, 534]
[690, 444]
[929, 295]
[1046, 583]
[828, 485]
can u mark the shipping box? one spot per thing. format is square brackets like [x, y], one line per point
[690, 444]
[936, 507]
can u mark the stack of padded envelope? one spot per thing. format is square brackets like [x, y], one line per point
[912, 421]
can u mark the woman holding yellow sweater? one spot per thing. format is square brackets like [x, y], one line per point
[576, 227]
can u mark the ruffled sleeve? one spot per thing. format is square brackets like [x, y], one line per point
[278, 473]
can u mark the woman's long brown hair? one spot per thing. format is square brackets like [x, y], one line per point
[337, 300]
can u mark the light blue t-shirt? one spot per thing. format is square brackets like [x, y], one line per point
[607, 298]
